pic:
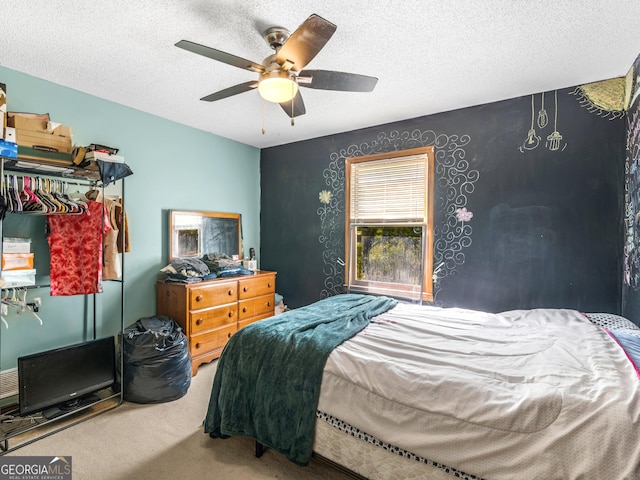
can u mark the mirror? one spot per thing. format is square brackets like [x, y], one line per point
[196, 233]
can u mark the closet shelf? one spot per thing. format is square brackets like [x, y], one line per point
[34, 167]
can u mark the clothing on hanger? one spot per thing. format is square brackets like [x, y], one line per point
[75, 248]
[114, 238]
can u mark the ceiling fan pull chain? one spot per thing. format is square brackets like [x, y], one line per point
[264, 130]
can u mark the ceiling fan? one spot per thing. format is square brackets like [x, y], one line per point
[281, 74]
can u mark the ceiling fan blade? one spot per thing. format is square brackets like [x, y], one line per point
[305, 43]
[220, 56]
[295, 107]
[330, 80]
[228, 92]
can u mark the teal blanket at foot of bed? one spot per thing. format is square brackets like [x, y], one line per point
[267, 383]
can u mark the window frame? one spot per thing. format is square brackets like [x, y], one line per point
[386, 288]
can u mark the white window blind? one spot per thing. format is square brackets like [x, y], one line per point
[390, 190]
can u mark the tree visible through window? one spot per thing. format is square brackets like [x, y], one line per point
[389, 231]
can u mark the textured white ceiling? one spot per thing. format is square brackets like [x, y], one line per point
[429, 56]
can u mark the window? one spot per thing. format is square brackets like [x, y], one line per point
[389, 223]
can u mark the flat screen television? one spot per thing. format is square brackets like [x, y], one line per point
[62, 377]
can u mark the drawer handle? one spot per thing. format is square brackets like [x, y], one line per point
[199, 321]
[244, 309]
[269, 284]
[230, 314]
[245, 289]
[229, 335]
[268, 304]
[197, 345]
[230, 292]
[168, 293]
[199, 298]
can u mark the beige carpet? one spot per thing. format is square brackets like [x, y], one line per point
[166, 441]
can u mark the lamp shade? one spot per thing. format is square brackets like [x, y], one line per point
[277, 87]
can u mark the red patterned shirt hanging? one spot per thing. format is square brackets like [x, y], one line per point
[75, 247]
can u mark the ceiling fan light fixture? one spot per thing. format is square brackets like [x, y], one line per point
[277, 87]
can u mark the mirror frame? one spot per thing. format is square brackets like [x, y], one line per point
[188, 242]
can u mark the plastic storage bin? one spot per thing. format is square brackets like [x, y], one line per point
[17, 261]
[18, 278]
[16, 245]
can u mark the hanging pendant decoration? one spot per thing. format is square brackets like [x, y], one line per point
[543, 118]
[533, 139]
[554, 140]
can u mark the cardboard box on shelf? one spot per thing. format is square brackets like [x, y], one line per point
[37, 130]
[17, 261]
[31, 130]
[46, 141]
[53, 158]
[28, 121]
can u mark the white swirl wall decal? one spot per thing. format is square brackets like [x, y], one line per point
[455, 181]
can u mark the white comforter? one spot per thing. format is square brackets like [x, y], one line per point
[531, 394]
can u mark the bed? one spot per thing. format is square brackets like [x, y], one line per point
[394, 390]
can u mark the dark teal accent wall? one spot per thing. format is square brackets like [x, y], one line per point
[547, 223]
[631, 285]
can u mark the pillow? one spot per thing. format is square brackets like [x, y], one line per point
[613, 322]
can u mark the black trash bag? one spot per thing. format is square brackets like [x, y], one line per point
[156, 363]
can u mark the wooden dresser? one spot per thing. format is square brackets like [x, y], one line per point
[210, 312]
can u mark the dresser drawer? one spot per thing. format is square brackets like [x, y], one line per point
[244, 323]
[253, 287]
[209, 341]
[256, 306]
[212, 295]
[207, 319]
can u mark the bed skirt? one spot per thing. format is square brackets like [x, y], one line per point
[341, 447]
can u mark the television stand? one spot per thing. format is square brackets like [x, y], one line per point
[68, 407]
[17, 431]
